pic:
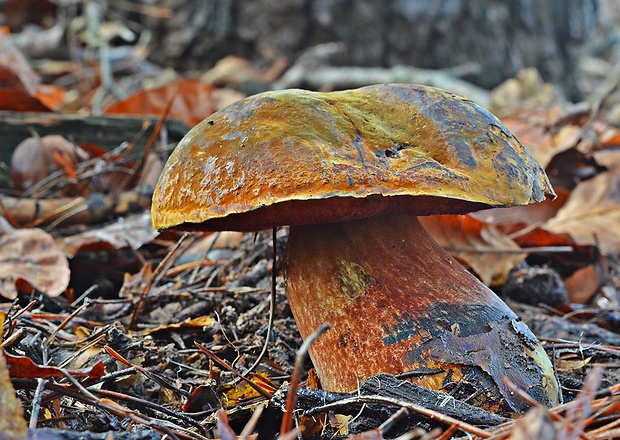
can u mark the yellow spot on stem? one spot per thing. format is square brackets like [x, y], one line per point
[353, 279]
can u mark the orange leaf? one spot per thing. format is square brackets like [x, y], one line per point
[487, 250]
[50, 96]
[24, 367]
[583, 284]
[515, 218]
[19, 100]
[193, 103]
[32, 255]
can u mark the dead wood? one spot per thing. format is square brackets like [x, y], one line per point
[92, 209]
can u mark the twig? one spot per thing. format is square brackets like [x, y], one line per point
[291, 400]
[526, 250]
[197, 267]
[154, 377]
[316, 74]
[463, 426]
[83, 395]
[64, 323]
[155, 277]
[151, 405]
[225, 364]
[36, 403]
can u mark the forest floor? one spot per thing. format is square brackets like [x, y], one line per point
[113, 330]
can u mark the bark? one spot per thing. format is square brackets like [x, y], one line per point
[502, 36]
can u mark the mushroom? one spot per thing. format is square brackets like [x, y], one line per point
[349, 171]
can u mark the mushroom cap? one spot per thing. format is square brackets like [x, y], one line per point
[301, 157]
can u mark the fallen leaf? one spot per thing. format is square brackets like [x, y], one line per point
[223, 240]
[484, 248]
[526, 91]
[23, 367]
[583, 284]
[193, 103]
[19, 100]
[232, 70]
[18, 82]
[52, 97]
[127, 232]
[34, 159]
[193, 324]
[591, 215]
[516, 218]
[234, 394]
[532, 130]
[572, 363]
[609, 155]
[33, 256]
[236, 71]
[340, 423]
[536, 424]
[13, 60]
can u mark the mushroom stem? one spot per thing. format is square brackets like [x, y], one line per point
[399, 303]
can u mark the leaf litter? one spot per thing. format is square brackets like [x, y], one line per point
[109, 326]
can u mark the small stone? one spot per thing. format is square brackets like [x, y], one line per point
[536, 285]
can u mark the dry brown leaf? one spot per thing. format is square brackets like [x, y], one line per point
[131, 232]
[224, 97]
[583, 284]
[24, 367]
[536, 424]
[193, 103]
[33, 256]
[609, 155]
[198, 324]
[484, 248]
[532, 130]
[12, 59]
[516, 218]
[526, 91]
[53, 97]
[235, 71]
[223, 240]
[591, 215]
[232, 70]
[36, 158]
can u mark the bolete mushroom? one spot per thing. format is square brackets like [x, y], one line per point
[349, 171]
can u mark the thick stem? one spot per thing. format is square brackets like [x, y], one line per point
[399, 303]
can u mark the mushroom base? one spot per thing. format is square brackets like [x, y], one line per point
[399, 303]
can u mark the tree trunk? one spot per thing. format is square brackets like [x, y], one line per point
[500, 36]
